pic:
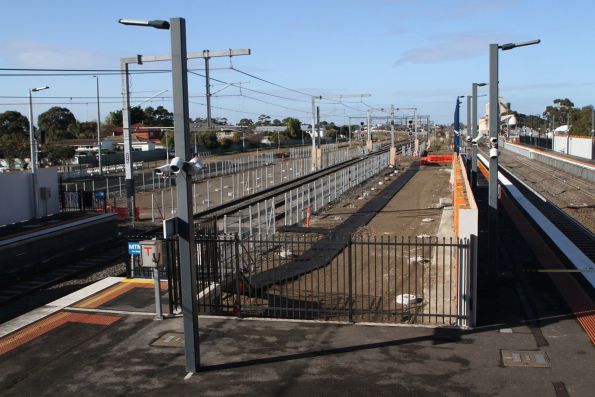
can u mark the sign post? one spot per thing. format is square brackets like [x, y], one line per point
[152, 257]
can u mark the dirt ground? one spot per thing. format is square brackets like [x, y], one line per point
[399, 260]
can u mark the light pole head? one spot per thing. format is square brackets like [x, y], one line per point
[510, 46]
[39, 88]
[157, 23]
[481, 84]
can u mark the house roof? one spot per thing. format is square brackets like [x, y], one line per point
[138, 127]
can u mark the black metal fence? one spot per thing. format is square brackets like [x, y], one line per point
[83, 201]
[541, 141]
[322, 277]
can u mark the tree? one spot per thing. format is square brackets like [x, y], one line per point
[225, 143]
[208, 139]
[13, 122]
[159, 117]
[57, 154]
[263, 119]
[344, 130]
[246, 122]
[56, 123]
[330, 129]
[14, 146]
[294, 128]
[136, 114]
[563, 112]
[220, 120]
[168, 141]
[87, 129]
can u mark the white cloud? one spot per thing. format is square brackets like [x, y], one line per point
[452, 47]
[29, 54]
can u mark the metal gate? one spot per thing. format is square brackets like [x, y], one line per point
[340, 278]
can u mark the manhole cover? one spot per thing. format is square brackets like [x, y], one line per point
[534, 358]
[170, 339]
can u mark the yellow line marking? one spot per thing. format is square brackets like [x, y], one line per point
[101, 295]
[46, 322]
[137, 281]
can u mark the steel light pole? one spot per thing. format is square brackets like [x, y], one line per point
[33, 144]
[183, 185]
[457, 126]
[493, 123]
[32, 141]
[98, 127]
[474, 133]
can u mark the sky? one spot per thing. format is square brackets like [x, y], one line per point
[410, 54]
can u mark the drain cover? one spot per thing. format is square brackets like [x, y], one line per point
[534, 358]
[170, 339]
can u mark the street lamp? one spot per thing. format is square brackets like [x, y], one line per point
[474, 133]
[98, 127]
[493, 124]
[32, 141]
[457, 126]
[33, 144]
[187, 254]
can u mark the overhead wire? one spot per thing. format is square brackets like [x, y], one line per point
[93, 72]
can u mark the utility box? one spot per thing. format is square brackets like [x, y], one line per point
[152, 253]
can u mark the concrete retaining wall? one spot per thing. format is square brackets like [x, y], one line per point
[583, 171]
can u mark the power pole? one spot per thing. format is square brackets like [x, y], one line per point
[140, 59]
[393, 149]
[207, 55]
[316, 153]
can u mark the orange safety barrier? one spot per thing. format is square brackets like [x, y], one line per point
[436, 159]
[459, 193]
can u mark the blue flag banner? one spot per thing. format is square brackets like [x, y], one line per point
[457, 127]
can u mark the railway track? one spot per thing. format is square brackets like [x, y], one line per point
[576, 232]
[583, 238]
[64, 268]
[278, 190]
[579, 247]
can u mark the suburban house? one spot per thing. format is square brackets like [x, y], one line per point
[144, 132]
[227, 132]
[83, 146]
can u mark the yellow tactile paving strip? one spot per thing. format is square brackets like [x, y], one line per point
[35, 330]
[113, 292]
[30, 332]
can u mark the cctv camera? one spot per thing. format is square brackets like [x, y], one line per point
[194, 165]
[493, 152]
[493, 140]
[468, 139]
[164, 169]
[176, 165]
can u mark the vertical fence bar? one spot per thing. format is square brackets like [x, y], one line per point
[350, 278]
[238, 275]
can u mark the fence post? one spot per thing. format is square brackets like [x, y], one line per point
[473, 279]
[105, 198]
[350, 277]
[238, 275]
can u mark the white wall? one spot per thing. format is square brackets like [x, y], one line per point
[580, 147]
[16, 195]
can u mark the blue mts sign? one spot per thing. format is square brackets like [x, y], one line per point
[134, 248]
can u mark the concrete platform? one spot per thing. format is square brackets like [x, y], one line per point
[103, 340]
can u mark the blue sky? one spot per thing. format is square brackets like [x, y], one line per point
[407, 53]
